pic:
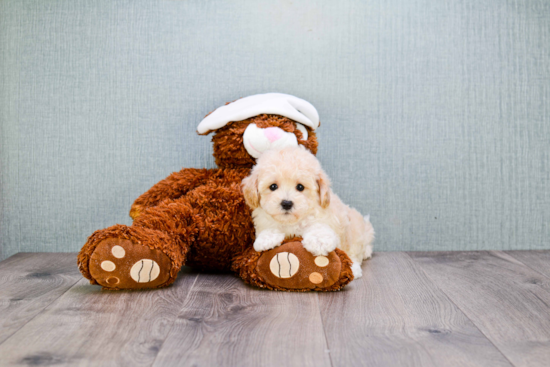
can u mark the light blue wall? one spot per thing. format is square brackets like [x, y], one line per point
[435, 114]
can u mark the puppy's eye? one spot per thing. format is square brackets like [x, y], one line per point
[273, 187]
[300, 187]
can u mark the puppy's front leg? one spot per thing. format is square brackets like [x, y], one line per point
[320, 239]
[268, 239]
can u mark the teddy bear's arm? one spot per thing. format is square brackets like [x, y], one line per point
[172, 187]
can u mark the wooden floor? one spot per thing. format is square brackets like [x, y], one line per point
[409, 309]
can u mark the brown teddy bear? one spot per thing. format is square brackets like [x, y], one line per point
[199, 218]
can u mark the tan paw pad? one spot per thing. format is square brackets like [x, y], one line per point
[108, 265]
[315, 278]
[321, 261]
[118, 252]
[284, 265]
[145, 271]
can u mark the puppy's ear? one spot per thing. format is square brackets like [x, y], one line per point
[250, 190]
[324, 189]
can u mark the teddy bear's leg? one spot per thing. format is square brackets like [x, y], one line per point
[290, 267]
[148, 254]
[123, 257]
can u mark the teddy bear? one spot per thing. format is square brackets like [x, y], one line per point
[199, 218]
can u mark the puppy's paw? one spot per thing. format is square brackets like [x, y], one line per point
[268, 239]
[356, 270]
[320, 241]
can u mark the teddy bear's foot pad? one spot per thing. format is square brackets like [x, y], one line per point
[120, 264]
[292, 267]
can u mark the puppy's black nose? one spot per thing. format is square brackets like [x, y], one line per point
[287, 204]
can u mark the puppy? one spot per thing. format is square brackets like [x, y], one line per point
[290, 196]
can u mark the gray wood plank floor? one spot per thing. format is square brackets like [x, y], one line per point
[508, 301]
[409, 309]
[398, 317]
[29, 283]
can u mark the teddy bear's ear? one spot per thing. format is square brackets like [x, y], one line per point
[250, 190]
[324, 189]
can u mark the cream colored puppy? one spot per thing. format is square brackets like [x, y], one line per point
[290, 196]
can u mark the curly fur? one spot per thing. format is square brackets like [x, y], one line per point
[198, 217]
[316, 213]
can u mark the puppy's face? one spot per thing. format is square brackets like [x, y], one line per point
[287, 196]
[287, 184]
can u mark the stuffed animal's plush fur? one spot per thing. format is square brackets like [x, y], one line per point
[199, 218]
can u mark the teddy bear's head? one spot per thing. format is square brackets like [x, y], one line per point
[246, 128]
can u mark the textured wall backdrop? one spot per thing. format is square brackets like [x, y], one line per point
[435, 114]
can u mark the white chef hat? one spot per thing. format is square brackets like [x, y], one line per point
[286, 105]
